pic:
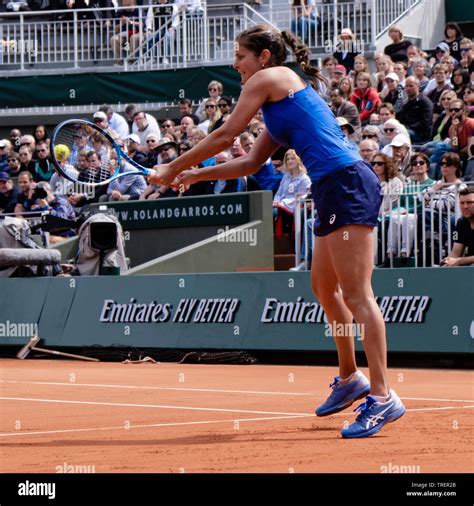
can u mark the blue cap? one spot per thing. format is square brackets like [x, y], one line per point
[443, 46]
[4, 176]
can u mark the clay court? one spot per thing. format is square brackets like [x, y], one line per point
[172, 418]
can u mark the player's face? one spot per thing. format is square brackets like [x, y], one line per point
[246, 62]
[466, 202]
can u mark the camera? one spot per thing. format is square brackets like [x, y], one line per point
[39, 193]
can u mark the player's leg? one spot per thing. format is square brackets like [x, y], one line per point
[383, 405]
[351, 252]
[351, 384]
[325, 286]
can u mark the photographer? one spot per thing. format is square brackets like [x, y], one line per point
[41, 199]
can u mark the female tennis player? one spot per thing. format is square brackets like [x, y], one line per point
[347, 197]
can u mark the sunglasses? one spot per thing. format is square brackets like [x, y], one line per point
[184, 148]
[417, 163]
[213, 89]
[10, 160]
[165, 149]
[149, 141]
[222, 105]
[41, 150]
[368, 136]
[167, 126]
[464, 49]
[389, 130]
[446, 98]
[210, 106]
[455, 109]
[445, 164]
[98, 120]
[377, 164]
[26, 144]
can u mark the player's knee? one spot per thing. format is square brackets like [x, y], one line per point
[354, 298]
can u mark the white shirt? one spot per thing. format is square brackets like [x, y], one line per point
[119, 124]
[152, 127]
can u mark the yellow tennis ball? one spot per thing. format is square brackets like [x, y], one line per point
[61, 152]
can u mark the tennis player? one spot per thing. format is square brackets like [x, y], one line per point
[347, 197]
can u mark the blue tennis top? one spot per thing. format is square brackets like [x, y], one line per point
[304, 122]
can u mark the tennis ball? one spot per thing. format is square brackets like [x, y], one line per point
[61, 152]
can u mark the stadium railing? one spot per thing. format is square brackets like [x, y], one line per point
[425, 234]
[69, 40]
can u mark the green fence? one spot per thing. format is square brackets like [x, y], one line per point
[426, 310]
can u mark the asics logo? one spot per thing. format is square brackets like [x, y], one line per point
[332, 219]
[374, 419]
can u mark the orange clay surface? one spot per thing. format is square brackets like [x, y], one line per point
[175, 418]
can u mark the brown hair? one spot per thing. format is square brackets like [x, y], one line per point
[423, 156]
[391, 169]
[260, 37]
[454, 160]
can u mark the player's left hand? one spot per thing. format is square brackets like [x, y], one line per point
[163, 175]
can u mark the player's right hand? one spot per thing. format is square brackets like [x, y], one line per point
[186, 178]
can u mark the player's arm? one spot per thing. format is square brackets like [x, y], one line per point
[263, 148]
[254, 94]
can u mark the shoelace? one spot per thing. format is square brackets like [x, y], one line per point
[335, 382]
[364, 408]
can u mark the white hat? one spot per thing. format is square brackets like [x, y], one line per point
[4, 143]
[133, 138]
[343, 122]
[400, 140]
[100, 115]
[347, 31]
[393, 76]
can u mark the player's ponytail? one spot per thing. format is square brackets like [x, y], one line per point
[302, 55]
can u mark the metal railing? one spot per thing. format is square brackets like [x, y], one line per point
[415, 231]
[78, 39]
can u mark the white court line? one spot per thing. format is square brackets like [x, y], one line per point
[156, 406]
[171, 424]
[216, 390]
[205, 422]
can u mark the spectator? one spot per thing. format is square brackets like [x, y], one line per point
[29, 142]
[413, 54]
[215, 89]
[187, 123]
[463, 236]
[131, 110]
[266, 178]
[371, 132]
[392, 186]
[185, 107]
[399, 47]
[44, 168]
[14, 137]
[100, 119]
[462, 127]
[460, 81]
[367, 149]
[391, 128]
[346, 87]
[162, 20]
[468, 98]
[129, 25]
[40, 134]
[211, 115]
[224, 105]
[14, 164]
[59, 184]
[329, 64]
[294, 185]
[100, 146]
[151, 143]
[26, 186]
[303, 20]
[57, 206]
[348, 130]
[441, 82]
[167, 125]
[451, 63]
[384, 113]
[384, 67]
[417, 113]
[401, 229]
[365, 98]
[126, 187]
[442, 49]
[342, 108]
[143, 127]
[81, 143]
[467, 58]
[453, 37]
[116, 122]
[442, 120]
[401, 149]
[132, 143]
[26, 160]
[8, 194]
[360, 65]
[393, 93]
[420, 71]
[345, 49]
[400, 68]
[5, 150]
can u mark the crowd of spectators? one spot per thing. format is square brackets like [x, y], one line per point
[412, 120]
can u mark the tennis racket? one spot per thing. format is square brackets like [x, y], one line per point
[86, 154]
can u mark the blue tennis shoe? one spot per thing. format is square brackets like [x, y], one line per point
[344, 394]
[373, 415]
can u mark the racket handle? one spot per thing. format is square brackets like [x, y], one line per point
[150, 172]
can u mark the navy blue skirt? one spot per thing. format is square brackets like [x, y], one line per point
[350, 196]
